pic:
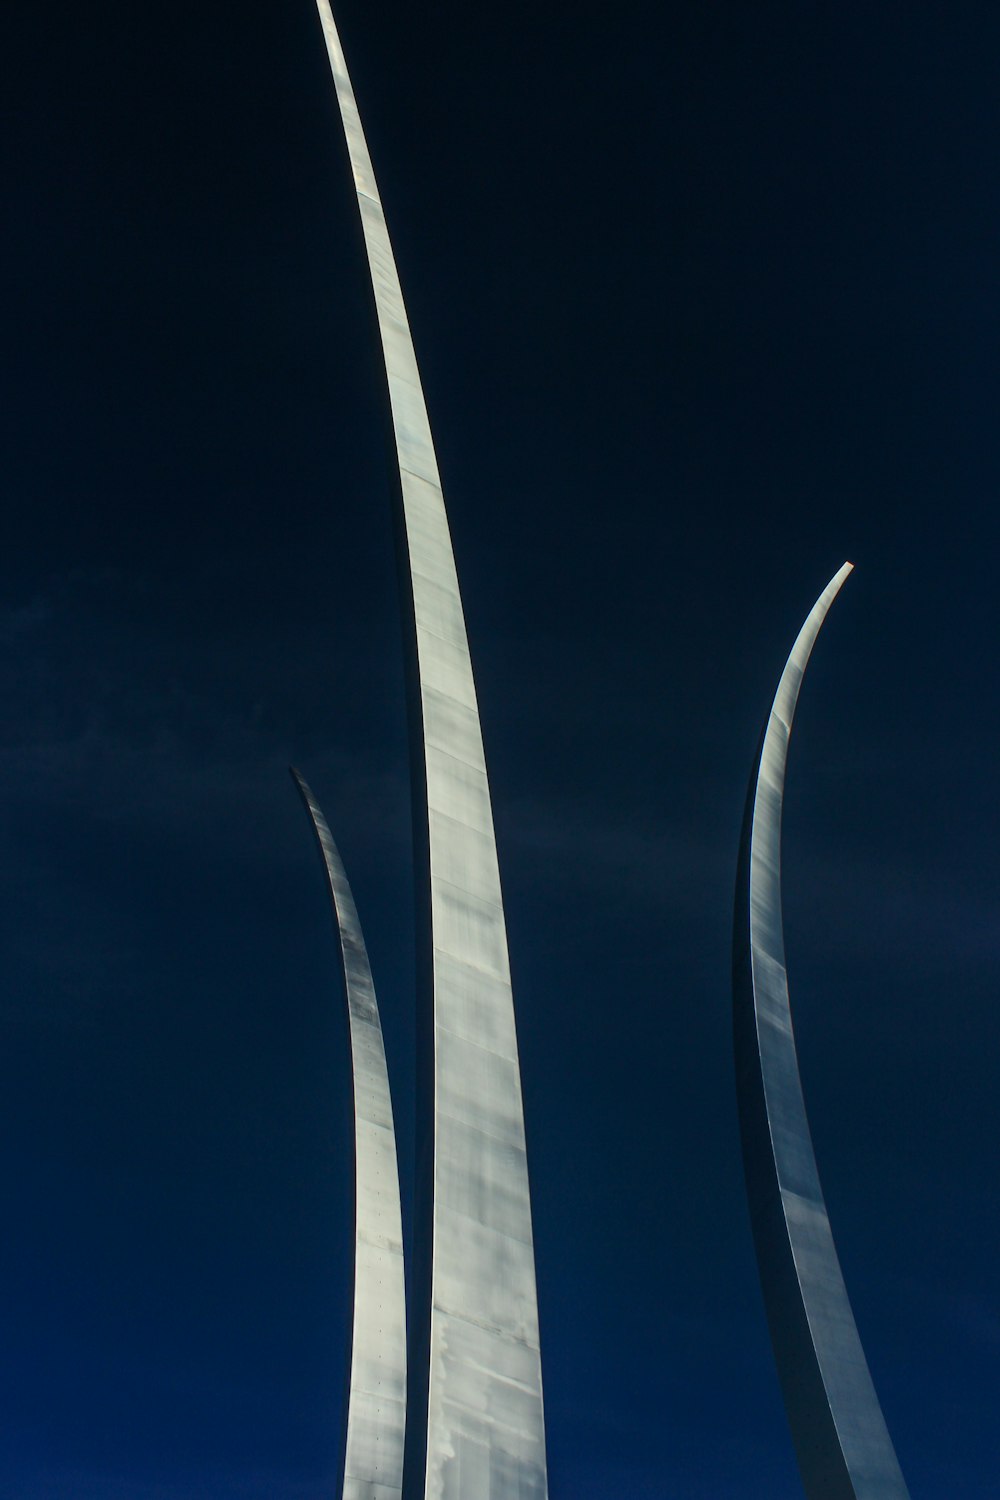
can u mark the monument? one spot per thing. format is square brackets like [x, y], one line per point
[474, 1416]
[376, 1402]
[841, 1441]
[475, 1426]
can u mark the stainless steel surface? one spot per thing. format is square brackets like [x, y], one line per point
[841, 1441]
[376, 1406]
[476, 1422]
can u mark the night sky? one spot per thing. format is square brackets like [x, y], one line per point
[705, 300]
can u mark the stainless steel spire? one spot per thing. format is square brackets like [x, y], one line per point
[841, 1441]
[476, 1428]
[376, 1407]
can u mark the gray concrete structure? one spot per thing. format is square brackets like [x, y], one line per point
[376, 1405]
[475, 1428]
[841, 1441]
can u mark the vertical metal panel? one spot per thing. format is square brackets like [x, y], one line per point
[842, 1444]
[481, 1436]
[376, 1408]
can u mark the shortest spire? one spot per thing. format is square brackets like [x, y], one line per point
[376, 1411]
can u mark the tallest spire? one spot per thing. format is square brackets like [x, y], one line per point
[476, 1428]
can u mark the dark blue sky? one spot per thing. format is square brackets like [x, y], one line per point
[705, 298]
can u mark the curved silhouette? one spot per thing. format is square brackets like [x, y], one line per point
[841, 1441]
[376, 1404]
[475, 1428]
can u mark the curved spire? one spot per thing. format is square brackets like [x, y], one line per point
[376, 1406]
[476, 1428]
[841, 1441]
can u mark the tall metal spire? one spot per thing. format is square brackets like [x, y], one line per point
[376, 1407]
[476, 1428]
[841, 1441]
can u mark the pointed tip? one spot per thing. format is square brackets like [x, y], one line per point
[839, 579]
